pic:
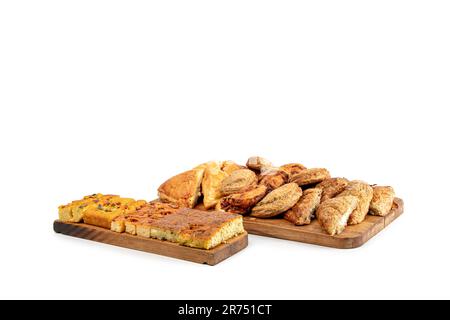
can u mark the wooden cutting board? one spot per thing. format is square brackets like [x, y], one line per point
[165, 248]
[352, 237]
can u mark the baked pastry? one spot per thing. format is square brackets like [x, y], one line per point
[242, 202]
[211, 184]
[310, 176]
[74, 211]
[273, 178]
[256, 163]
[292, 168]
[382, 200]
[332, 187]
[230, 166]
[364, 193]
[334, 213]
[304, 209]
[106, 210]
[183, 189]
[189, 227]
[154, 210]
[239, 181]
[277, 201]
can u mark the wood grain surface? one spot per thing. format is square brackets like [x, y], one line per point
[165, 248]
[353, 236]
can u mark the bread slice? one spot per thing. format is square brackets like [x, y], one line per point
[183, 189]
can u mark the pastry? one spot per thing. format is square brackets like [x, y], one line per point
[106, 210]
[332, 187]
[238, 181]
[188, 227]
[242, 202]
[211, 184]
[273, 178]
[382, 200]
[277, 201]
[154, 210]
[310, 176]
[183, 189]
[74, 211]
[334, 213]
[256, 163]
[364, 193]
[304, 209]
[292, 168]
[230, 166]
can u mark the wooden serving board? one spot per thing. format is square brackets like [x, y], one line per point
[352, 237]
[165, 248]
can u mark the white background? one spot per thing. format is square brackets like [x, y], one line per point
[117, 96]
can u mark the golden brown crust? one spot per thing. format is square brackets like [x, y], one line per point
[332, 187]
[242, 202]
[256, 163]
[382, 200]
[334, 213]
[211, 183]
[303, 211]
[151, 211]
[310, 176]
[189, 227]
[273, 179]
[364, 193]
[238, 181]
[200, 224]
[230, 166]
[277, 201]
[292, 168]
[74, 211]
[107, 210]
[183, 189]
